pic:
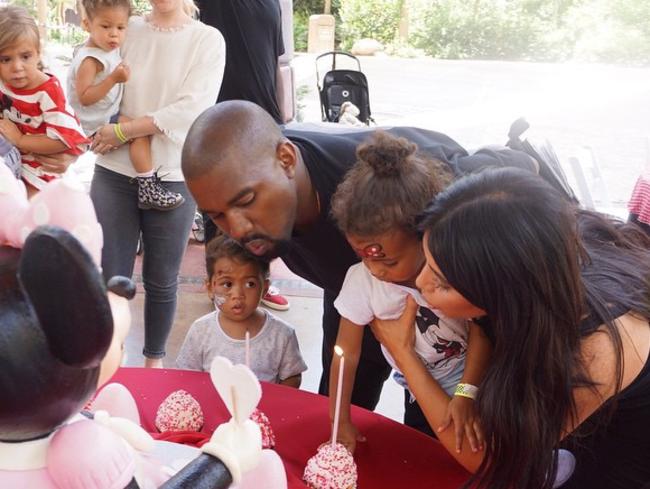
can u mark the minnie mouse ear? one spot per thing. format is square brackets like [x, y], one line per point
[67, 293]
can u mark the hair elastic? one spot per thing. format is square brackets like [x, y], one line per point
[119, 133]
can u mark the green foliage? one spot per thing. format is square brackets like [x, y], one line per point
[613, 31]
[377, 19]
[300, 30]
[480, 29]
[69, 35]
[539, 30]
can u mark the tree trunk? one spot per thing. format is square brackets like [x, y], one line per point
[403, 26]
[41, 9]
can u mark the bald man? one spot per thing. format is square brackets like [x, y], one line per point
[270, 189]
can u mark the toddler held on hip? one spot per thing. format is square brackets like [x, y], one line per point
[36, 121]
[95, 85]
[236, 282]
[382, 231]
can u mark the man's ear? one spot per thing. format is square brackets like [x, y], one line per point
[286, 153]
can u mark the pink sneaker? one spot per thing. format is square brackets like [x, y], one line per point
[274, 300]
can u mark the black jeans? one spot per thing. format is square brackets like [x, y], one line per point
[414, 417]
[373, 369]
[164, 238]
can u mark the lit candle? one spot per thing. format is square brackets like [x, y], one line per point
[339, 385]
[248, 349]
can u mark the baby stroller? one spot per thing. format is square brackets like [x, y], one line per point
[340, 86]
[550, 168]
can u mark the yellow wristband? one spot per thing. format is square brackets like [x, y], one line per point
[120, 135]
[466, 390]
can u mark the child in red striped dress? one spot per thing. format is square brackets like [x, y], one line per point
[36, 118]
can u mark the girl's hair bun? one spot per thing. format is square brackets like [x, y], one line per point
[386, 154]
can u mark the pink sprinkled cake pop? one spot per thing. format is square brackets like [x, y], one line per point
[179, 412]
[268, 437]
[332, 467]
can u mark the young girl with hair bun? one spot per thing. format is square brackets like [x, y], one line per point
[375, 206]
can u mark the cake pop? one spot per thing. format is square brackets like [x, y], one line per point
[332, 467]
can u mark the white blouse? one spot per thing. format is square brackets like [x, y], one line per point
[175, 75]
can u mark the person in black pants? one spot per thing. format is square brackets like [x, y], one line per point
[252, 30]
[270, 189]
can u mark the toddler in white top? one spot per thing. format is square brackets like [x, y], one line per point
[376, 206]
[95, 85]
[236, 283]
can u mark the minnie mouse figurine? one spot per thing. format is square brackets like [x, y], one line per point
[61, 335]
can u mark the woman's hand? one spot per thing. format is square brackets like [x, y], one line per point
[461, 411]
[10, 131]
[397, 335]
[105, 140]
[56, 163]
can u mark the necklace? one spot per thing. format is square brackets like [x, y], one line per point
[317, 202]
[172, 28]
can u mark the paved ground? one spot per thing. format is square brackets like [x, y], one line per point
[604, 107]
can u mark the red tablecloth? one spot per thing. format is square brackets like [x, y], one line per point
[394, 457]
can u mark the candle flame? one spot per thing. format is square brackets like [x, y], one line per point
[338, 350]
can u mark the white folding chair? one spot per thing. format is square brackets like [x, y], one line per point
[591, 186]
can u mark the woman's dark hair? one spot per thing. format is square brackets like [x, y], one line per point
[91, 7]
[512, 246]
[224, 247]
[387, 188]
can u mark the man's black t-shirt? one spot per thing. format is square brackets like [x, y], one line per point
[322, 255]
[252, 30]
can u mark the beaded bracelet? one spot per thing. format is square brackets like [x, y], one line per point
[119, 133]
[466, 390]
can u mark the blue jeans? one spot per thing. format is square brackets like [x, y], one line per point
[164, 238]
[11, 156]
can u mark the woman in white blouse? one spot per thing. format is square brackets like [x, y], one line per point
[176, 65]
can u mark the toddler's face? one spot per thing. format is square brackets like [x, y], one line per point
[395, 257]
[236, 288]
[107, 27]
[19, 65]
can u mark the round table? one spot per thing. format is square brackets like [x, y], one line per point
[394, 456]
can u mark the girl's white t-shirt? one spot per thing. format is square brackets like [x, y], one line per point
[440, 342]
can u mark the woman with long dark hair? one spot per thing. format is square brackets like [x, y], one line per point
[564, 295]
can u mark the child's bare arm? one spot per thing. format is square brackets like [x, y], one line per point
[349, 338]
[479, 351]
[30, 143]
[461, 410]
[293, 381]
[88, 93]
